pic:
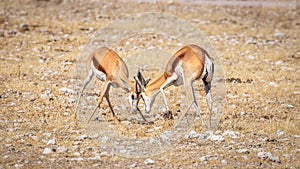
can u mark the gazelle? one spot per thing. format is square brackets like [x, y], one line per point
[188, 64]
[108, 67]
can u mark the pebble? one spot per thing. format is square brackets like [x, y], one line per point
[214, 137]
[62, 149]
[232, 134]
[280, 132]
[51, 142]
[192, 134]
[65, 90]
[76, 154]
[251, 57]
[224, 162]
[47, 150]
[149, 161]
[82, 137]
[269, 156]
[243, 151]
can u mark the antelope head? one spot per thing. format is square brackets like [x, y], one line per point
[142, 84]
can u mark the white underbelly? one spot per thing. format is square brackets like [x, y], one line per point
[179, 74]
[100, 75]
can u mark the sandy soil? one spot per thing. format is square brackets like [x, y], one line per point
[42, 43]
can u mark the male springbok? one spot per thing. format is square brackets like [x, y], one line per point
[108, 67]
[188, 64]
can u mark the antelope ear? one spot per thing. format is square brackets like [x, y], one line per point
[126, 85]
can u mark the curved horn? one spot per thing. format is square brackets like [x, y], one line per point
[139, 83]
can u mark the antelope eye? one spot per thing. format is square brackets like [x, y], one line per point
[132, 97]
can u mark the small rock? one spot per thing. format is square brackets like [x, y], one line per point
[62, 150]
[244, 151]
[35, 138]
[215, 138]
[273, 84]
[166, 136]
[47, 150]
[232, 134]
[82, 137]
[95, 158]
[77, 154]
[224, 162]
[104, 153]
[134, 165]
[269, 156]
[149, 161]
[94, 136]
[65, 90]
[51, 142]
[251, 57]
[279, 34]
[280, 132]
[275, 159]
[243, 113]
[192, 134]
[104, 139]
[203, 158]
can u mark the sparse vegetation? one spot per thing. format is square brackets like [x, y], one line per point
[259, 48]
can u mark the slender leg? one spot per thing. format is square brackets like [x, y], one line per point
[191, 96]
[182, 115]
[167, 83]
[141, 114]
[103, 94]
[209, 98]
[86, 81]
[108, 101]
[196, 104]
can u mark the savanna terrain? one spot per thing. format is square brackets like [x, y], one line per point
[258, 43]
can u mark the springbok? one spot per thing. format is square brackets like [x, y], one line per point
[108, 67]
[188, 64]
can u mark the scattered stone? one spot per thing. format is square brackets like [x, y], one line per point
[214, 137]
[232, 134]
[244, 113]
[65, 90]
[279, 34]
[149, 161]
[94, 136]
[224, 162]
[269, 156]
[251, 57]
[280, 132]
[203, 158]
[82, 137]
[104, 153]
[95, 158]
[166, 136]
[273, 84]
[62, 149]
[192, 134]
[76, 154]
[47, 150]
[104, 139]
[244, 151]
[51, 142]
[77, 159]
[134, 165]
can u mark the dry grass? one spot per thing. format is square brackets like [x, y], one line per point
[39, 49]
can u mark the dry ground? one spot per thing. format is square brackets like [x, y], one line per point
[41, 42]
